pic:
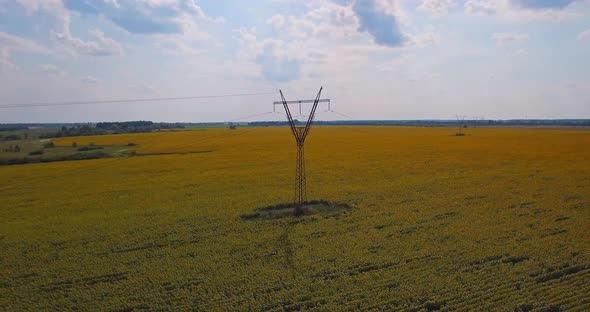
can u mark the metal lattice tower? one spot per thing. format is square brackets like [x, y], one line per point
[461, 122]
[300, 133]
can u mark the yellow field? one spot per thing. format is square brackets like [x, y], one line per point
[496, 220]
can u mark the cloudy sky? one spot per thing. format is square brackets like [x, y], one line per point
[377, 59]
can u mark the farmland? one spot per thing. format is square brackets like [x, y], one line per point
[495, 220]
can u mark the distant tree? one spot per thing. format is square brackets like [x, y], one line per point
[74, 144]
[49, 145]
[12, 137]
[38, 152]
[17, 148]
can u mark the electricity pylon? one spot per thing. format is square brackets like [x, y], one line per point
[300, 133]
[461, 121]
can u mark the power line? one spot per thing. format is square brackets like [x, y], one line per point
[69, 103]
[250, 116]
[343, 115]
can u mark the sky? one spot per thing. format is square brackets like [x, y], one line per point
[376, 59]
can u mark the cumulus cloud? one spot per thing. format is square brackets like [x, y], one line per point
[509, 38]
[553, 10]
[50, 69]
[437, 7]
[585, 35]
[143, 16]
[5, 63]
[277, 61]
[279, 69]
[129, 15]
[14, 43]
[305, 39]
[89, 80]
[195, 8]
[34, 5]
[424, 39]
[159, 3]
[542, 4]
[10, 43]
[276, 21]
[101, 46]
[381, 26]
[483, 6]
[327, 35]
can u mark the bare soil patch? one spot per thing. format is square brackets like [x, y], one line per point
[314, 207]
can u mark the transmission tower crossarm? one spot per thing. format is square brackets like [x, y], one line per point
[291, 122]
[301, 102]
[311, 115]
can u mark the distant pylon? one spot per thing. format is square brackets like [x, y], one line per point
[300, 133]
[461, 121]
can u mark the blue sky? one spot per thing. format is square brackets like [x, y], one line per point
[377, 59]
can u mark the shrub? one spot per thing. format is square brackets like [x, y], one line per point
[47, 135]
[523, 307]
[18, 161]
[77, 156]
[131, 144]
[12, 137]
[551, 308]
[74, 144]
[16, 148]
[49, 145]
[433, 306]
[38, 152]
[89, 148]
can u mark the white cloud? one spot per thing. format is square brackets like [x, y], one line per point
[191, 41]
[89, 80]
[424, 39]
[160, 3]
[10, 44]
[14, 43]
[50, 69]
[391, 7]
[485, 6]
[585, 35]
[5, 63]
[514, 11]
[519, 52]
[114, 3]
[276, 21]
[197, 9]
[34, 5]
[437, 7]
[102, 46]
[508, 38]
[314, 45]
